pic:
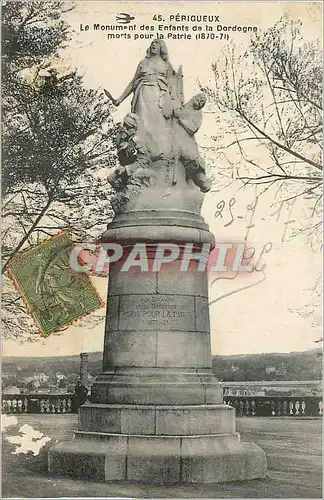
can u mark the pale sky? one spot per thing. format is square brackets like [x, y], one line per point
[263, 318]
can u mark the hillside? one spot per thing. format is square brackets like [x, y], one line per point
[63, 364]
[305, 365]
[274, 366]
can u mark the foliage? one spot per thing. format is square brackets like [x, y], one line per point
[62, 384]
[27, 35]
[270, 100]
[292, 366]
[57, 142]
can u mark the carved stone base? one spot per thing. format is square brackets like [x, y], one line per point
[163, 186]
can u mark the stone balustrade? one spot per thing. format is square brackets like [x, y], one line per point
[276, 406]
[36, 403]
[245, 406]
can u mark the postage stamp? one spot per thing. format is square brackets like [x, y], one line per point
[172, 155]
[53, 292]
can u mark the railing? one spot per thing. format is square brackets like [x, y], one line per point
[292, 384]
[37, 403]
[276, 406]
[245, 406]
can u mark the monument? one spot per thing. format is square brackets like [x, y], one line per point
[156, 412]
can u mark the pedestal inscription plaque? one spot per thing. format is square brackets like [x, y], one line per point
[166, 312]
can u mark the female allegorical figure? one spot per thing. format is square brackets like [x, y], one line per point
[153, 87]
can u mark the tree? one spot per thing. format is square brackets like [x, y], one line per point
[57, 142]
[270, 98]
[31, 386]
[72, 378]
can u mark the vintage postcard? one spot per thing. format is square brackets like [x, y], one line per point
[162, 249]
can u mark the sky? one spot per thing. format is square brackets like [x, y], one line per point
[278, 314]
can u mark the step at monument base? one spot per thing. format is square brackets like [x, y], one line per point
[157, 419]
[158, 459]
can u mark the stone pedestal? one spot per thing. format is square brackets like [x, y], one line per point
[156, 412]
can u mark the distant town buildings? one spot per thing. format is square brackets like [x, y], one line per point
[235, 390]
[273, 388]
[37, 379]
[280, 372]
[11, 390]
[60, 376]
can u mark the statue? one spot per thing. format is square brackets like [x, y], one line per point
[135, 161]
[153, 92]
[130, 151]
[189, 119]
[156, 146]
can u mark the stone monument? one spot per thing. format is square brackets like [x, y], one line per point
[156, 412]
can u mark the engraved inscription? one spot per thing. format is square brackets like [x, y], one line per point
[148, 312]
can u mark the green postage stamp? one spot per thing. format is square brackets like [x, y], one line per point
[53, 292]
